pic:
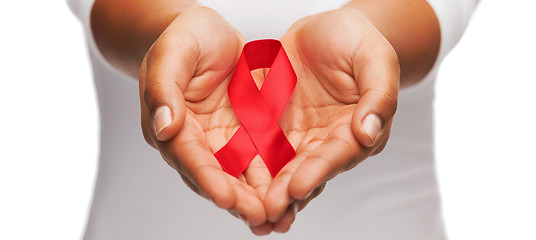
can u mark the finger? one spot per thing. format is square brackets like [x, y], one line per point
[197, 163]
[263, 229]
[303, 203]
[146, 118]
[378, 76]
[170, 64]
[277, 198]
[330, 158]
[285, 222]
[287, 219]
[247, 204]
[258, 176]
[242, 178]
[189, 154]
[283, 225]
[383, 142]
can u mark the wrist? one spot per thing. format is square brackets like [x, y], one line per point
[125, 30]
[411, 27]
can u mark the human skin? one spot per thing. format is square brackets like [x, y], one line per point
[184, 56]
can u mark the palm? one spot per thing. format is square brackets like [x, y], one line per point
[314, 114]
[213, 116]
[326, 94]
[213, 119]
[331, 55]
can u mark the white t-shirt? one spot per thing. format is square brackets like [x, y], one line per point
[390, 196]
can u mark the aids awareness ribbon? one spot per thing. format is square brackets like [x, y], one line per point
[259, 110]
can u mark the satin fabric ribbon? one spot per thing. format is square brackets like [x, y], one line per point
[259, 110]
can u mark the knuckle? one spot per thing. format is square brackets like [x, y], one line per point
[149, 93]
[390, 97]
[388, 100]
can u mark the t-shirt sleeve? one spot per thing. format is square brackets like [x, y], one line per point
[81, 9]
[453, 16]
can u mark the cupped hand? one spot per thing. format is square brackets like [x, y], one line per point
[342, 108]
[186, 114]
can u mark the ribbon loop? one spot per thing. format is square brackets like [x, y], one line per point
[259, 110]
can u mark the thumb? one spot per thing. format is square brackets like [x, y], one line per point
[163, 78]
[166, 108]
[378, 81]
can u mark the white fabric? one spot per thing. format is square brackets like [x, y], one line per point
[391, 196]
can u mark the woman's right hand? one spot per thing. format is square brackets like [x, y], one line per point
[186, 114]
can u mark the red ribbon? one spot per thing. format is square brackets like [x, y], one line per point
[259, 111]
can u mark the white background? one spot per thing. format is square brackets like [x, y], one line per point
[485, 124]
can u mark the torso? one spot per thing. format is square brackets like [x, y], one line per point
[137, 196]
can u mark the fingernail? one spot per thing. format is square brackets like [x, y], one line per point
[309, 193]
[295, 207]
[372, 125]
[162, 119]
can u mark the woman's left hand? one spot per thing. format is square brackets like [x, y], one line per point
[342, 109]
